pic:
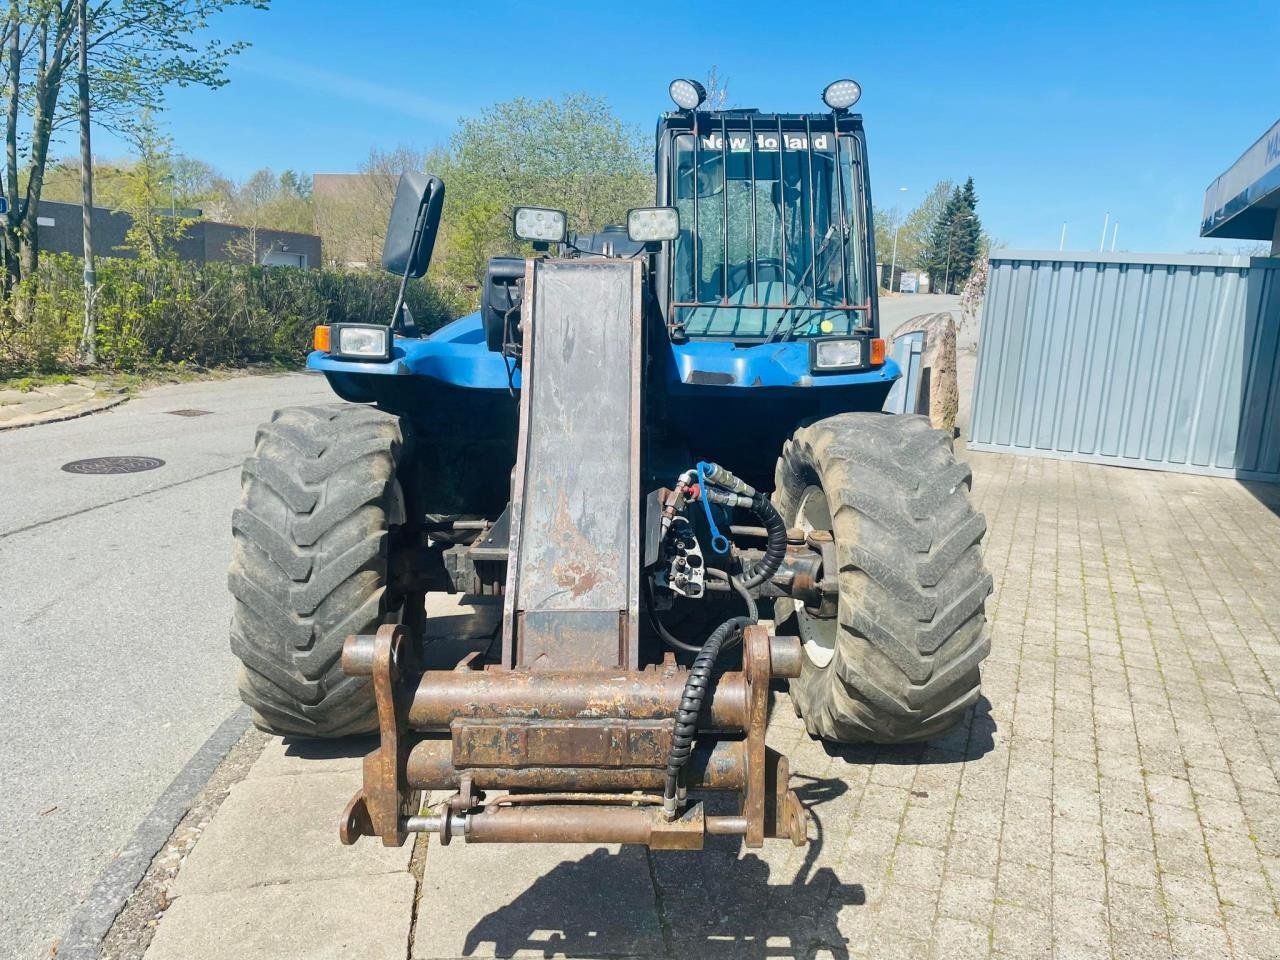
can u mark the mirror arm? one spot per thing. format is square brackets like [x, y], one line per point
[398, 316]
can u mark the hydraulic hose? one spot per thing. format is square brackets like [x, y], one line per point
[753, 615]
[734, 492]
[731, 492]
[695, 691]
[776, 549]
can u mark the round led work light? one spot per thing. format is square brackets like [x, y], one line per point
[687, 94]
[842, 94]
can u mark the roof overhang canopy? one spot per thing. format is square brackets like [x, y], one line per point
[1244, 202]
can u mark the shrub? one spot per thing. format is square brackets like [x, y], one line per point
[218, 314]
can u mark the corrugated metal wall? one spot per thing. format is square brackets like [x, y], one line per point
[1164, 362]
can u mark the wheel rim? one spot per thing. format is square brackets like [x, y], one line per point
[817, 634]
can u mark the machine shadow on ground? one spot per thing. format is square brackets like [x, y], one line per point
[340, 749]
[724, 901]
[970, 740]
[720, 902]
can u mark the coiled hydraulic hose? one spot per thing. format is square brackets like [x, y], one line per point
[776, 549]
[733, 492]
[695, 691]
[719, 486]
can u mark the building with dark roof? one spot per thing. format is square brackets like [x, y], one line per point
[205, 241]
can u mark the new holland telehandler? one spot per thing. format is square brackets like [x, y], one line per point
[660, 448]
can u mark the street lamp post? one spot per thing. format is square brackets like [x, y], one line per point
[893, 265]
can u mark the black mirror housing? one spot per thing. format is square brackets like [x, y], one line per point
[415, 219]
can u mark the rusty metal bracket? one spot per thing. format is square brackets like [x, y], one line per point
[589, 823]
[385, 800]
[580, 740]
[755, 663]
[561, 743]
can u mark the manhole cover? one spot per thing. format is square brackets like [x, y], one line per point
[104, 465]
[190, 413]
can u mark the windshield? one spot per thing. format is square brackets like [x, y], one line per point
[770, 236]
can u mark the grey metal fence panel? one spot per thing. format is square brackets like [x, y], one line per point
[904, 395]
[1164, 362]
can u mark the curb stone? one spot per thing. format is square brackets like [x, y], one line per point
[62, 413]
[107, 897]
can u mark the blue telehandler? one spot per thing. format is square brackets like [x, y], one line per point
[658, 449]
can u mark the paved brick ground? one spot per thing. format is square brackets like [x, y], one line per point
[1114, 794]
[1132, 785]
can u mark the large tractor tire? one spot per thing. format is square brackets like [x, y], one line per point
[897, 660]
[319, 502]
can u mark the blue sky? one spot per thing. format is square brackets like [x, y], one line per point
[1061, 111]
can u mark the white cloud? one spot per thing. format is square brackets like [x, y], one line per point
[353, 89]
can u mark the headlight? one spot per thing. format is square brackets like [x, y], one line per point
[540, 225]
[842, 94]
[843, 354]
[360, 341]
[832, 355]
[687, 94]
[651, 224]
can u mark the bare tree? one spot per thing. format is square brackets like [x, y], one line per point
[717, 89]
[351, 210]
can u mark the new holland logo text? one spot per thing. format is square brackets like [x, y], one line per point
[767, 141]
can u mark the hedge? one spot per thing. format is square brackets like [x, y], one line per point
[213, 315]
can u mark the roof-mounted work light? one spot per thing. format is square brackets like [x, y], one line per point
[540, 224]
[842, 94]
[687, 94]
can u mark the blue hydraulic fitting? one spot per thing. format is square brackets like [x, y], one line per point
[723, 478]
[719, 542]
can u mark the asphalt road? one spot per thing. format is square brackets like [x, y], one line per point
[114, 663]
[895, 311]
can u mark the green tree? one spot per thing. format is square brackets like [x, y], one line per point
[147, 195]
[938, 251]
[955, 241]
[273, 201]
[969, 242]
[136, 50]
[887, 223]
[195, 183]
[573, 154]
[913, 240]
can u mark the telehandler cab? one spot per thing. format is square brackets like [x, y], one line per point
[649, 444]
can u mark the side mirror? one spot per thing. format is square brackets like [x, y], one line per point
[411, 231]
